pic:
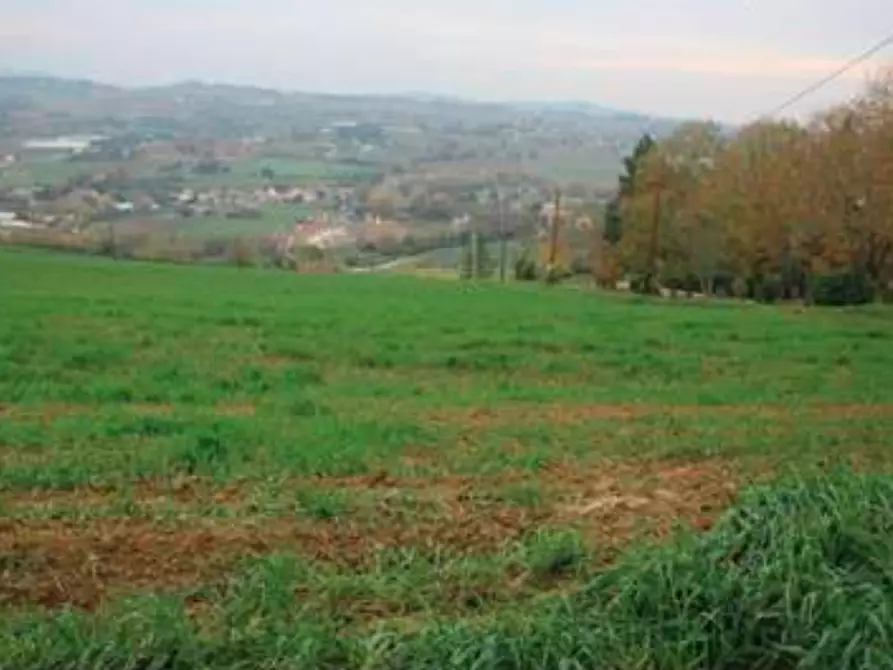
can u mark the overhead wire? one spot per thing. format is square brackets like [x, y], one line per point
[839, 72]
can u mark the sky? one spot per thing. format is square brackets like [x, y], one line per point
[732, 60]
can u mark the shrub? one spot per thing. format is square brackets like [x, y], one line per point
[643, 285]
[688, 283]
[768, 289]
[608, 270]
[243, 254]
[557, 274]
[836, 290]
[581, 265]
[526, 269]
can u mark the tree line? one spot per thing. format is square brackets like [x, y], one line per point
[774, 210]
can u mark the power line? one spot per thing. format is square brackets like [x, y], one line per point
[858, 60]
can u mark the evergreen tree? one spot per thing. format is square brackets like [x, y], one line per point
[632, 165]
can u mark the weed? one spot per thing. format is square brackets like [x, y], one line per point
[322, 504]
[549, 554]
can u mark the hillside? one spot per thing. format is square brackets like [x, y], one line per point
[44, 105]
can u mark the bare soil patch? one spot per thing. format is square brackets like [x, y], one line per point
[82, 562]
[625, 500]
[54, 562]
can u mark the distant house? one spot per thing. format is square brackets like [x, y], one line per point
[11, 221]
[331, 237]
[67, 143]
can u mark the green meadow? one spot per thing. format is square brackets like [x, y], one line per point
[209, 467]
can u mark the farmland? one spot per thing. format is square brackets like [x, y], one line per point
[213, 467]
[249, 173]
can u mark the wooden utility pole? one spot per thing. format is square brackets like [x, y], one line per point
[553, 236]
[475, 255]
[502, 248]
[113, 240]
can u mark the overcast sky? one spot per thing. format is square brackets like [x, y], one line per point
[729, 59]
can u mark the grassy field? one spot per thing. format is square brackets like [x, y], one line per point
[52, 170]
[275, 218]
[295, 171]
[215, 468]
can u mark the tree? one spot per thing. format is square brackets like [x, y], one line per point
[632, 165]
[775, 209]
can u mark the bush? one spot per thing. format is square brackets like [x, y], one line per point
[768, 289]
[689, 283]
[836, 290]
[640, 284]
[557, 274]
[526, 269]
[243, 254]
[581, 265]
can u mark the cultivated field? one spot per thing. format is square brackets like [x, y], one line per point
[214, 468]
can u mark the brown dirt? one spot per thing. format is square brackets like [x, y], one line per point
[524, 413]
[81, 562]
[53, 562]
[646, 498]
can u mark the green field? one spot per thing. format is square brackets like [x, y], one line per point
[276, 218]
[220, 468]
[53, 170]
[295, 171]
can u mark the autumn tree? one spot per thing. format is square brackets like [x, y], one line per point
[777, 205]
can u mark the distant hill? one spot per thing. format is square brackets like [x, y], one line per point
[53, 91]
[556, 141]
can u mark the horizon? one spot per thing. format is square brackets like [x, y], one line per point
[405, 95]
[694, 60]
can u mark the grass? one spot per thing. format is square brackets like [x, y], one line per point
[275, 219]
[211, 467]
[51, 170]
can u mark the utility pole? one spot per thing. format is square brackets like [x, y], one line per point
[502, 246]
[553, 237]
[113, 240]
[475, 254]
